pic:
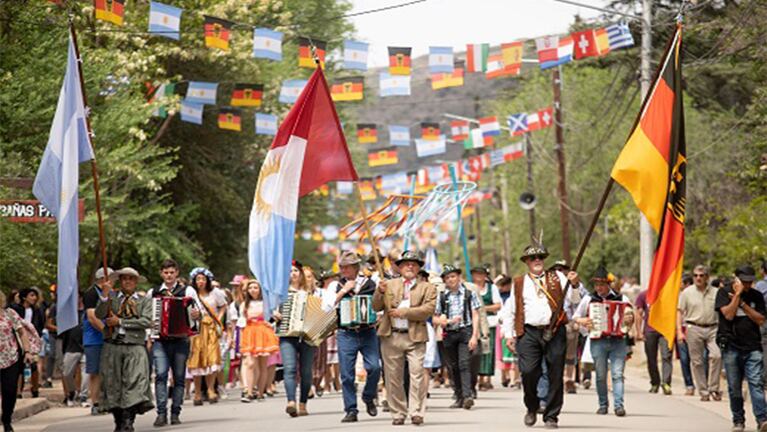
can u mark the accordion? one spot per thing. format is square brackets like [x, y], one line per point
[303, 317]
[607, 319]
[172, 318]
[357, 310]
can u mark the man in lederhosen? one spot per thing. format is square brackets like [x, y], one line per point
[537, 314]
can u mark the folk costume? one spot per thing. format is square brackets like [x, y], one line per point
[126, 388]
[404, 339]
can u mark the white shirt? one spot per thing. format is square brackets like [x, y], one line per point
[582, 310]
[402, 323]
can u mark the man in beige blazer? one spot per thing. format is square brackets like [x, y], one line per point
[407, 304]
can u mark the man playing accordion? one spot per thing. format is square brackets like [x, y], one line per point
[606, 315]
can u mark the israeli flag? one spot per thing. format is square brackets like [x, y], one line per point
[266, 124]
[202, 92]
[267, 44]
[290, 90]
[56, 185]
[191, 112]
[164, 20]
[399, 135]
[441, 60]
[355, 55]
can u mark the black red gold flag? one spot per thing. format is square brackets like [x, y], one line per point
[430, 131]
[445, 80]
[367, 133]
[305, 58]
[382, 158]
[230, 119]
[348, 89]
[110, 10]
[399, 60]
[247, 95]
[652, 168]
[218, 33]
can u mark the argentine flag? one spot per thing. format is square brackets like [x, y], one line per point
[266, 124]
[56, 185]
[267, 44]
[164, 20]
[355, 55]
[202, 92]
[290, 90]
[441, 60]
[393, 85]
[308, 151]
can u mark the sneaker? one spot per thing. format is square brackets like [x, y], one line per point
[551, 424]
[468, 403]
[175, 419]
[602, 410]
[70, 403]
[161, 420]
[620, 412]
[349, 418]
[666, 389]
[457, 404]
[738, 427]
[586, 384]
[47, 384]
[245, 399]
[654, 388]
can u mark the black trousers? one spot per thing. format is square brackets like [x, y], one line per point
[9, 382]
[458, 357]
[532, 350]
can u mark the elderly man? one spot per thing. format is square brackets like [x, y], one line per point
[606, 348]
[407, 304]
[696, 312]
[125, 363]
[355, 337]
[537, 317]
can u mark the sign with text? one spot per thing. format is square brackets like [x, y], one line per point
[31, 211]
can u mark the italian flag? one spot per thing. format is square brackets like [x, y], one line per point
[476, 57]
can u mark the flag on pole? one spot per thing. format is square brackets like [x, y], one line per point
[554, 50]
[652, 168]
[305, 57]
[165, 20]
[230, 118]
[247, 95]
[309, 151]
[440, 60]
[459, 130]
[348, 89]
[267, 44]
[218, 32]
[399, 60]
[202, 92]
[191, 112]
[619, 36]
[393, 85]
[476, 57]
[290, 90]
[399, 135]
[266, 124]
[56, 185]
[517, 124]
[355, 55]
[110, 11]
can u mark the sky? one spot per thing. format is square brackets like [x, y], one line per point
[459, 22]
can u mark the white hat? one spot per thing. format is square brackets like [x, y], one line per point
[130, 271]
[100, 273]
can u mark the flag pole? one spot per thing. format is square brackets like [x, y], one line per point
[379, 266]
[94, 168]
[594, 221]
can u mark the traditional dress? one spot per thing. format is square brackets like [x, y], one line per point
[205, 352]
[257, 338]
[490, 296]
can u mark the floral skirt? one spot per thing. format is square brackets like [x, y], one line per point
[204, 353]
[258, 339]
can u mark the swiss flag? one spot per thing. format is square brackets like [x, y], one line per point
[542, 119]
[314, 119]
[585, 44]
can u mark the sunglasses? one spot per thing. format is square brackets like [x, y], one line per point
[699, 275]
[537, 257]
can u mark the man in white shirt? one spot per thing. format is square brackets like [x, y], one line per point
[536, 317]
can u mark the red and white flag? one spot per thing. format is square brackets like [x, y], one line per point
[539, 120]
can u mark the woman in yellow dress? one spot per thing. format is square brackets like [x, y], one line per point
[205, 354]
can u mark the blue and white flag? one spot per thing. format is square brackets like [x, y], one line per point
[431, 263]
[165, 20]
[496, 158]
[355, 55]
[290, 90]
[425, 148]
[56, 185]
[266, 124]
[344, 187]
[619, 36]
[399, 135]
[191, 112]
[267, 44]
[202, 92]
[517, 124]
[395, 182]
[394, 85]
[441, 60]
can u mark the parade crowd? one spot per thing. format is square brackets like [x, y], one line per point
[398, 333]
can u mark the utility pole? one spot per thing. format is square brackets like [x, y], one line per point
[505, 228]
[646, 234]
[564, 214]
[479, 232]
[529, 157]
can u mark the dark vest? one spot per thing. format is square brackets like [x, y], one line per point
[178, 291]
[554, 287]
[368, 288]
[466, 305]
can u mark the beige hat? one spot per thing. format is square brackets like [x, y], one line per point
[100, 273]
[130, 271]
[349, 258]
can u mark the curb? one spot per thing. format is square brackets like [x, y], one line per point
[28, 407]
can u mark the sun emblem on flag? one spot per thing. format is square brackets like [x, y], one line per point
[263, 199]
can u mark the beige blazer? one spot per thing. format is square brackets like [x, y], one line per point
[423, 300]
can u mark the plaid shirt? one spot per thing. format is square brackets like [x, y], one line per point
[455, 303]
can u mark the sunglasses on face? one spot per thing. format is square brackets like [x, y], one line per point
[699, 275]
[537, 257]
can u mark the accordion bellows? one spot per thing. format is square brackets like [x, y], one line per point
[303, 317]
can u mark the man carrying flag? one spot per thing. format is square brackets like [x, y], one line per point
[57, 181]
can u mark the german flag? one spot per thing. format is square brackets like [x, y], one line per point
[110, 10]
[305, 57]
[382, 158]
[367, 133]
[399, 60]
[230, 119]
[445, 80]
[430, 131]
[348, 89]
[367, 189]
[217, 33]
[249, 95]
[652, 168]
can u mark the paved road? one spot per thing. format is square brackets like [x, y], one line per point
[499, 409]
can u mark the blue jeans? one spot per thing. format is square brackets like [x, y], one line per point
[737, 366]
[543, 384]
[684, 360]
[296, 355]
[613, 350]
[349, 344]
[169, 354]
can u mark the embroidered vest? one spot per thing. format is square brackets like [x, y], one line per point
[554, 288]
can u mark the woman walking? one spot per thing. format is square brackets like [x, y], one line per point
[14, 352]
[257, 343]
[205, 353]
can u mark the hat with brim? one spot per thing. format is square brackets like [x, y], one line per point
[447, 269]
[349, 258]
[560, 264]
[100, 274]
[480, 269]
[533, 251]
[601, 275]
[130, 271]
[412, 256]
[745, 273]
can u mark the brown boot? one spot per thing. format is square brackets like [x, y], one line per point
[570, 387]
[302, 410]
